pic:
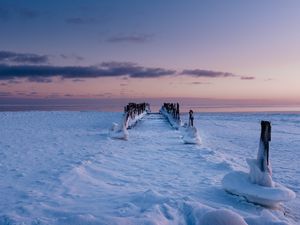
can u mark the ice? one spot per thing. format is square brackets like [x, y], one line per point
[190, 135]
[258, 186]
[257, 176]
[222, 217]
[63, 168]
[118, 131]
[239, 183]
[174, 123]
[131, 122]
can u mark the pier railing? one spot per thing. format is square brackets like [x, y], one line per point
[172, 112]
[133, 112]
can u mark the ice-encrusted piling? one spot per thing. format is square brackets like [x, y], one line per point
[190, 132]
[260, 169]
[263, 151]
[258, 186]
[172, 112]
[133, 112]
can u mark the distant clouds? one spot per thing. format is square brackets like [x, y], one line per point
[36, 68]
[4, 94]
[247, 78]
[206, 73]
[44, 73]
[133, 38]
[199, 82]
[27, 13]
[80, 20]
[13, 57]
[213, 74]
[7, 12]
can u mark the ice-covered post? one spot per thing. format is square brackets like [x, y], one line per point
[263, 152]
[191, 118]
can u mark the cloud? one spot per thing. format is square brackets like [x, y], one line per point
[27, 13]
[78, 80]
[207, 73]
[39, 79]
[198, 82]
[4, 94]
[247, 78]
[16, 67]
[269, 79]
[13, 57]
[135, 38]
[8, 12]
[79, 20]
[44, 73]
[72, 56]
[4, 13]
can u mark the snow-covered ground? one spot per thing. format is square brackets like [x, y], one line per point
[63, 168]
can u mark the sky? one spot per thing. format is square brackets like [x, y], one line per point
[232, 51]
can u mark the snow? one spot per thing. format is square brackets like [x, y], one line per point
[118, 131]
[131, 122]
[63, 168]
[238, 182]
[190, 135]
[222, 217]
[259, 177]
[174, 123]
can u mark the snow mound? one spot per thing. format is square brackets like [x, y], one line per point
[222, 217]
[257, 176]
[239, 183]
[191, 135]
[118, 132]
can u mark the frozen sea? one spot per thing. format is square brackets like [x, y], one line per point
[63, 168]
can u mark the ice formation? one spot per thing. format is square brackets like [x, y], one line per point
[258, 186]
[118, 131]
[190, 135]
[132, 114]
[222, 217]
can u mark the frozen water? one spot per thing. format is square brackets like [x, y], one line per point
[63, 168]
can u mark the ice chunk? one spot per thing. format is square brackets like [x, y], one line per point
[222, 217]
[191, 135]
[239, 183]
[118, 132]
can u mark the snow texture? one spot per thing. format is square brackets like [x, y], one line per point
[63, 168]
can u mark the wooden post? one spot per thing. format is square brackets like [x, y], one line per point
[265, 138]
